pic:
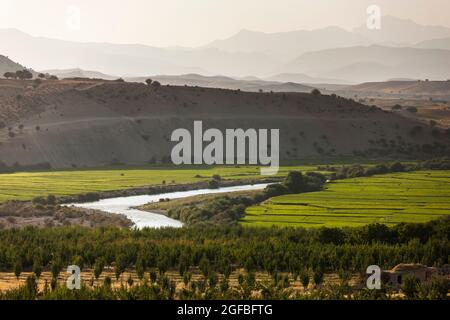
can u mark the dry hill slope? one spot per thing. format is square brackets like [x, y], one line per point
[94, 123]
[7, 65]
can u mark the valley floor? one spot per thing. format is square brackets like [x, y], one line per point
[27, 185]
[391, 198]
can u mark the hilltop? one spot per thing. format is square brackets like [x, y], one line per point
[226, 83]
[87, 123]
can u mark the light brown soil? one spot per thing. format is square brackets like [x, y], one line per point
[19, 214]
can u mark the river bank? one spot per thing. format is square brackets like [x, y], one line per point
[128, 205]
[160, 189]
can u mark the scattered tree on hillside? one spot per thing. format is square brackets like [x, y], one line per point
[9, 75]
[148, 81]
[412, 109]
[24, 74]
[156, 84]
[316, 92]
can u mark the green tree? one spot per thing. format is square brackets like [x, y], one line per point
[318, 277]
[130, 281]
[78, 261]
[294, 182]
[55, 268]
[153, 276]
[98, 267]
[37, 267]
[18, 268]
[140, 268]
[120, 265]
[304, 279]
[204, 266]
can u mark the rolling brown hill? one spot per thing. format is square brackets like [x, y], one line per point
[88, 123]
[226, 83]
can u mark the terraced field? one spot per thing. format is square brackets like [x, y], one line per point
[391, 198]
[27, 185]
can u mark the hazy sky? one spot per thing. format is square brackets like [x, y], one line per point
[197, 22]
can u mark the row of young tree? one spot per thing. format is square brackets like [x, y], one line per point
[288, 255]
[223, 249]
[213, 288]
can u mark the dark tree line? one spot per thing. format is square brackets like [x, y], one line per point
[220, 249]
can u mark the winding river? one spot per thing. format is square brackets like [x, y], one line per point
[142, 219]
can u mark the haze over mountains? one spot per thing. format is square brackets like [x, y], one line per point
[374, 63]
[401, 49]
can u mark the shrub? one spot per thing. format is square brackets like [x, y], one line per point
[51, 199]
[316, 92]
[39, 200]
[436, 289]
[213, 184]
[89, 197]
[397, 167]
[410, 286]
[411, 109]
[156, 84]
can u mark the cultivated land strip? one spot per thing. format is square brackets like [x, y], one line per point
[390, 199]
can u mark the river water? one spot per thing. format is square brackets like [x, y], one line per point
[142, 219]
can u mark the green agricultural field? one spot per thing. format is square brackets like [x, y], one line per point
[391, 198]
[27, 185]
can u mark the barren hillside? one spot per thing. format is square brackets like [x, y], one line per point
[7, 65]
[93, 123]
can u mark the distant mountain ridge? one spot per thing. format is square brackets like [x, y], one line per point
[79, 73]
[373, 63]
[129, 59]
[255, 54]
[397, 30]
[441, 43]
[250, 85]
[286, 45]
